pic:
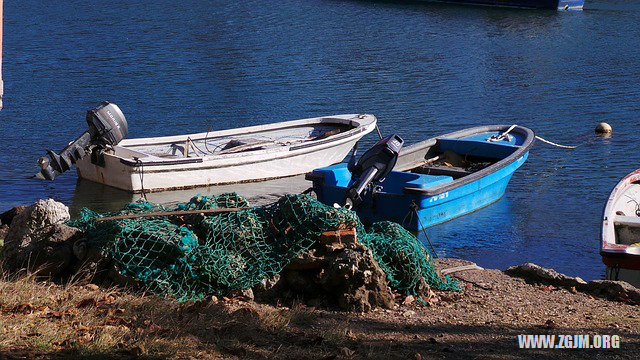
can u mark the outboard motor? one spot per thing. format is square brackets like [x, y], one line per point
[373, 166]
[107, 127]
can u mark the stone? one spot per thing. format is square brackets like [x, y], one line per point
[4, 230]
[410, 299]
[306, 261]
[356, 280]
[7, 216]
[38, 239]
[300, 281]
[537, 273]
[268, 289]
[337, 271]
[91, 263]
[408, 313]
[246, 294]
[616, 290]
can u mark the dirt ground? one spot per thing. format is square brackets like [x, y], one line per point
[45, 320]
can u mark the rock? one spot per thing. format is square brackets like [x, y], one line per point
[536, 273]
[4, 230]
[337, 271]
[38, 240]
[7, 216]
[306, 261]
[268, 289]
[408, 313]
[92, 263]
[345, 351]
[246, 294]
[410, 299]
[357, 281]
[616, 290]
[613, 290]
[41, 214]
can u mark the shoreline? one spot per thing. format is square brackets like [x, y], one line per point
[483, 321]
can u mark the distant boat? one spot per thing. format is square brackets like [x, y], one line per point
[438, 179]
[620, 246]
[225, 157]
[531, 4]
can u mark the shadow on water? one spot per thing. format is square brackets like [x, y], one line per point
[101, 198]
[493, 227]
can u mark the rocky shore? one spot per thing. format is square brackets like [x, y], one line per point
[351, 314]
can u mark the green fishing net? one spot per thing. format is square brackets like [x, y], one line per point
[188, 257]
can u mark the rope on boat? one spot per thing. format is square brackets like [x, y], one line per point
[413, 209]
[143, 195]
[506, 134]
[378, 130]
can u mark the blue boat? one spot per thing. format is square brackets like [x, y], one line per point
[530, 4]
[435, 180]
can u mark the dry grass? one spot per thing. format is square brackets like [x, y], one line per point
[44, 318]
[40, 319]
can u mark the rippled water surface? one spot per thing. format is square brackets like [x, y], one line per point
[423, 69]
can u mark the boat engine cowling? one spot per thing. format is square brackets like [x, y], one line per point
[107, 127]
[373, 166]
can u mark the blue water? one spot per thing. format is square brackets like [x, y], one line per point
[423, 69]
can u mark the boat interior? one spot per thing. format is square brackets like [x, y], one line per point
[461, 157]
[204, 144]
[445, 161]
[627, 218]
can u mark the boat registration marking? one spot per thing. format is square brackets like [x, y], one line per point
[439, 197]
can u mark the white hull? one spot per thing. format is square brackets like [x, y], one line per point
[620, 246]
[122, 170]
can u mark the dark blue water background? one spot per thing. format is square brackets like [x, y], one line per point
[423, 69]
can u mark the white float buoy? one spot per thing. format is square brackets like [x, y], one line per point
[603, 128]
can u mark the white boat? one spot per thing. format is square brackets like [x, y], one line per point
[246, 154]
[620, 247]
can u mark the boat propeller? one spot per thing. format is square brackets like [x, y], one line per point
[373, 166]
[107, 127]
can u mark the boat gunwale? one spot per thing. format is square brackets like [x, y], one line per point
[427, 144]
[360, 123]
[608, 246]
[347, 119]
[247, 160]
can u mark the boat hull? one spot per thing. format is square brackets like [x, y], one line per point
[417, 211]
[416, 200]
[134, 175]
[530, 4]
[620, 235]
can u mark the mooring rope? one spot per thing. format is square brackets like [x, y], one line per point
[378, 130]
[506, 133]
[413, 209]
[554, 144]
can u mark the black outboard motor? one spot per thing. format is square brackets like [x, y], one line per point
[107, 127]
[373, 166]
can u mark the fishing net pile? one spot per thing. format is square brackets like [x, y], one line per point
[188, 257]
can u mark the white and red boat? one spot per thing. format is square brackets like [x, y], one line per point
[620, 247]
